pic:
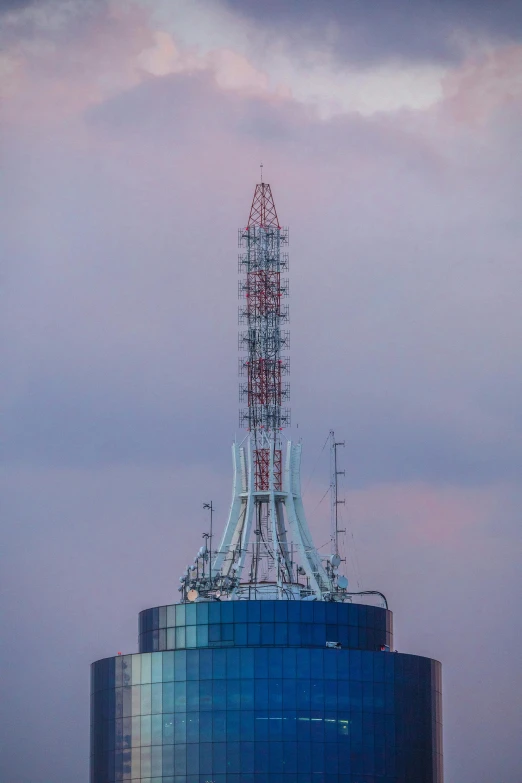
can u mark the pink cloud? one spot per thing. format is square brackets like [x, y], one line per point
[485, 84]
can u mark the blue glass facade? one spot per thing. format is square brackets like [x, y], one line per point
[266, 705]
[265, 623]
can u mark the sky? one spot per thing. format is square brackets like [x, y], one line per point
[131, 137]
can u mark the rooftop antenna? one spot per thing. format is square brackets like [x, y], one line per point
[211, 509]
[334, 492]
[266, 525]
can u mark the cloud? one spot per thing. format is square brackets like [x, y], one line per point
[381, 31]
[14, 5]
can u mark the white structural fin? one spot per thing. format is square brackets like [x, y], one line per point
[302, 537]
[223, 560]
[249, 511]
[231, 556]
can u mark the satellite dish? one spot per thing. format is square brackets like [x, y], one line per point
[192, 595]
[335, 560]
[342, 581]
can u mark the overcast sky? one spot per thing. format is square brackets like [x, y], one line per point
[132, 132]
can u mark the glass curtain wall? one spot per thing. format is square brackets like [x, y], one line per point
[265, 714]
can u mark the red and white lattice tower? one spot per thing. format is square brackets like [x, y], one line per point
[264, 340]
[266, 550]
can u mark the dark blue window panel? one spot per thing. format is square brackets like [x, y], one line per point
[247, 750]
[219, 694]
[254, 634]
[192, 664]
[168, 729]
[262, 756]
[219, 664]
[202, 635]
[233, 694]
[205, 758]
[261, 663]
[202, 612]
[214, 633]
[193, 758]
[227, 632]
[180, 727]
[180, 665]
[247, 663]
[319, 634]
[303, 694]
[330, 694]
[205, 695]
[240, 611]
[304, 758]
[281, 633]
[219, 726]
[248, 725]
[227, 612]
[168, 697]
[289, 694]
[192, 696]
[267, 611]
[303, 663]
[294, 634]
[168, 667]
[240, 634]
[205, 664]
[247, 694]
[267, 633]
[261, 694]
[192, 727]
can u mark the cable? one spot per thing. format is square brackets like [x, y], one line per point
[315, 466]
[370, 592]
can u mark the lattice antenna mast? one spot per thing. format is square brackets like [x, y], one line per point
[264, 339]
[266, 549]
[262, 370]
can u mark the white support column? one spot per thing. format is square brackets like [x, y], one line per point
[236, 515]
[247, 526]
[312, 562]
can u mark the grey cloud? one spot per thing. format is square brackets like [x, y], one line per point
[380, 30]
[15, 5]
[379, 273]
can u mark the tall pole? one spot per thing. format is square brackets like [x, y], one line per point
[334, 487]
[210, 506]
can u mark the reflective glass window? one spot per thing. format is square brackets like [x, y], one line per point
[190, 636]
[220, 664]
[171, 616]
[180, 665]
[219, 697]
[202, 613]
[168, 667]
[240, 633]
[180, 637]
